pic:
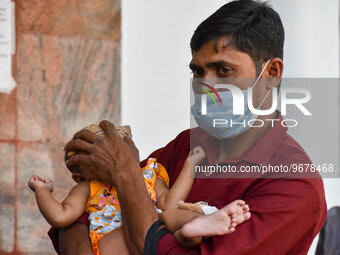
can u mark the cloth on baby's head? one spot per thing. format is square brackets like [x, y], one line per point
[122, 131]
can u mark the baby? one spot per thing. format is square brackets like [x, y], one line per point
[101, 201]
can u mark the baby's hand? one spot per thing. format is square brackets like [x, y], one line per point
[196, 155]
[36, 182]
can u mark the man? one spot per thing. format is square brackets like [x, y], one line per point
[243, 39]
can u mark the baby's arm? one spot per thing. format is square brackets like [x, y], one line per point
[59, 215]
[167, 198]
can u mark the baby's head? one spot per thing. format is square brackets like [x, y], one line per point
[75, 170]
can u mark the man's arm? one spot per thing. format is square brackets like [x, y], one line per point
[286, 216]
[138, 211]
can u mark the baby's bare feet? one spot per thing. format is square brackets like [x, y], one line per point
[238, 211]
[224, 221]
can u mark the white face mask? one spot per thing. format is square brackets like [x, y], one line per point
[225, 112]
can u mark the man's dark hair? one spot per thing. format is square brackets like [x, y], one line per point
[250, 26]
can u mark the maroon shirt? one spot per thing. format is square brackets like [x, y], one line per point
[286, 213]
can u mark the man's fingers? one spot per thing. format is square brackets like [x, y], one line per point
[86, 135]
[77, 159]
[78, 145]
[129, 141]
[108, 127]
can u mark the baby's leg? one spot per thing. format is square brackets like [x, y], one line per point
[221, 222]
[174, 220]
[113, 243]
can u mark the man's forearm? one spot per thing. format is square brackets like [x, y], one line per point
[75, 240]
[138, 211]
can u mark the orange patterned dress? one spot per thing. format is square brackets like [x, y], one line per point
[103, 205]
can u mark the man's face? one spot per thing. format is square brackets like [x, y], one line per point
[227, 62]
[223, 66]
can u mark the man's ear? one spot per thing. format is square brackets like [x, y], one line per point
[274, 73]
[77, 177]
[275, 68]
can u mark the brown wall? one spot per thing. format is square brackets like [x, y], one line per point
[67, 68]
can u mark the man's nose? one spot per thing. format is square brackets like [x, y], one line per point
[209, 78]
[202, 85]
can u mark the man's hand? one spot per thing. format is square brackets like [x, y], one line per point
[36, 182]
[105, 157]
[114, 160]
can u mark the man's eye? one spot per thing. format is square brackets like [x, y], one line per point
[224, 70]
[197, 72]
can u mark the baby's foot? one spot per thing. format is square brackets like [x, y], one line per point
[221, 222]
[239, 213]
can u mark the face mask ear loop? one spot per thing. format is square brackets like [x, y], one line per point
[263, 99]
[258, 77]
[264, 68]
